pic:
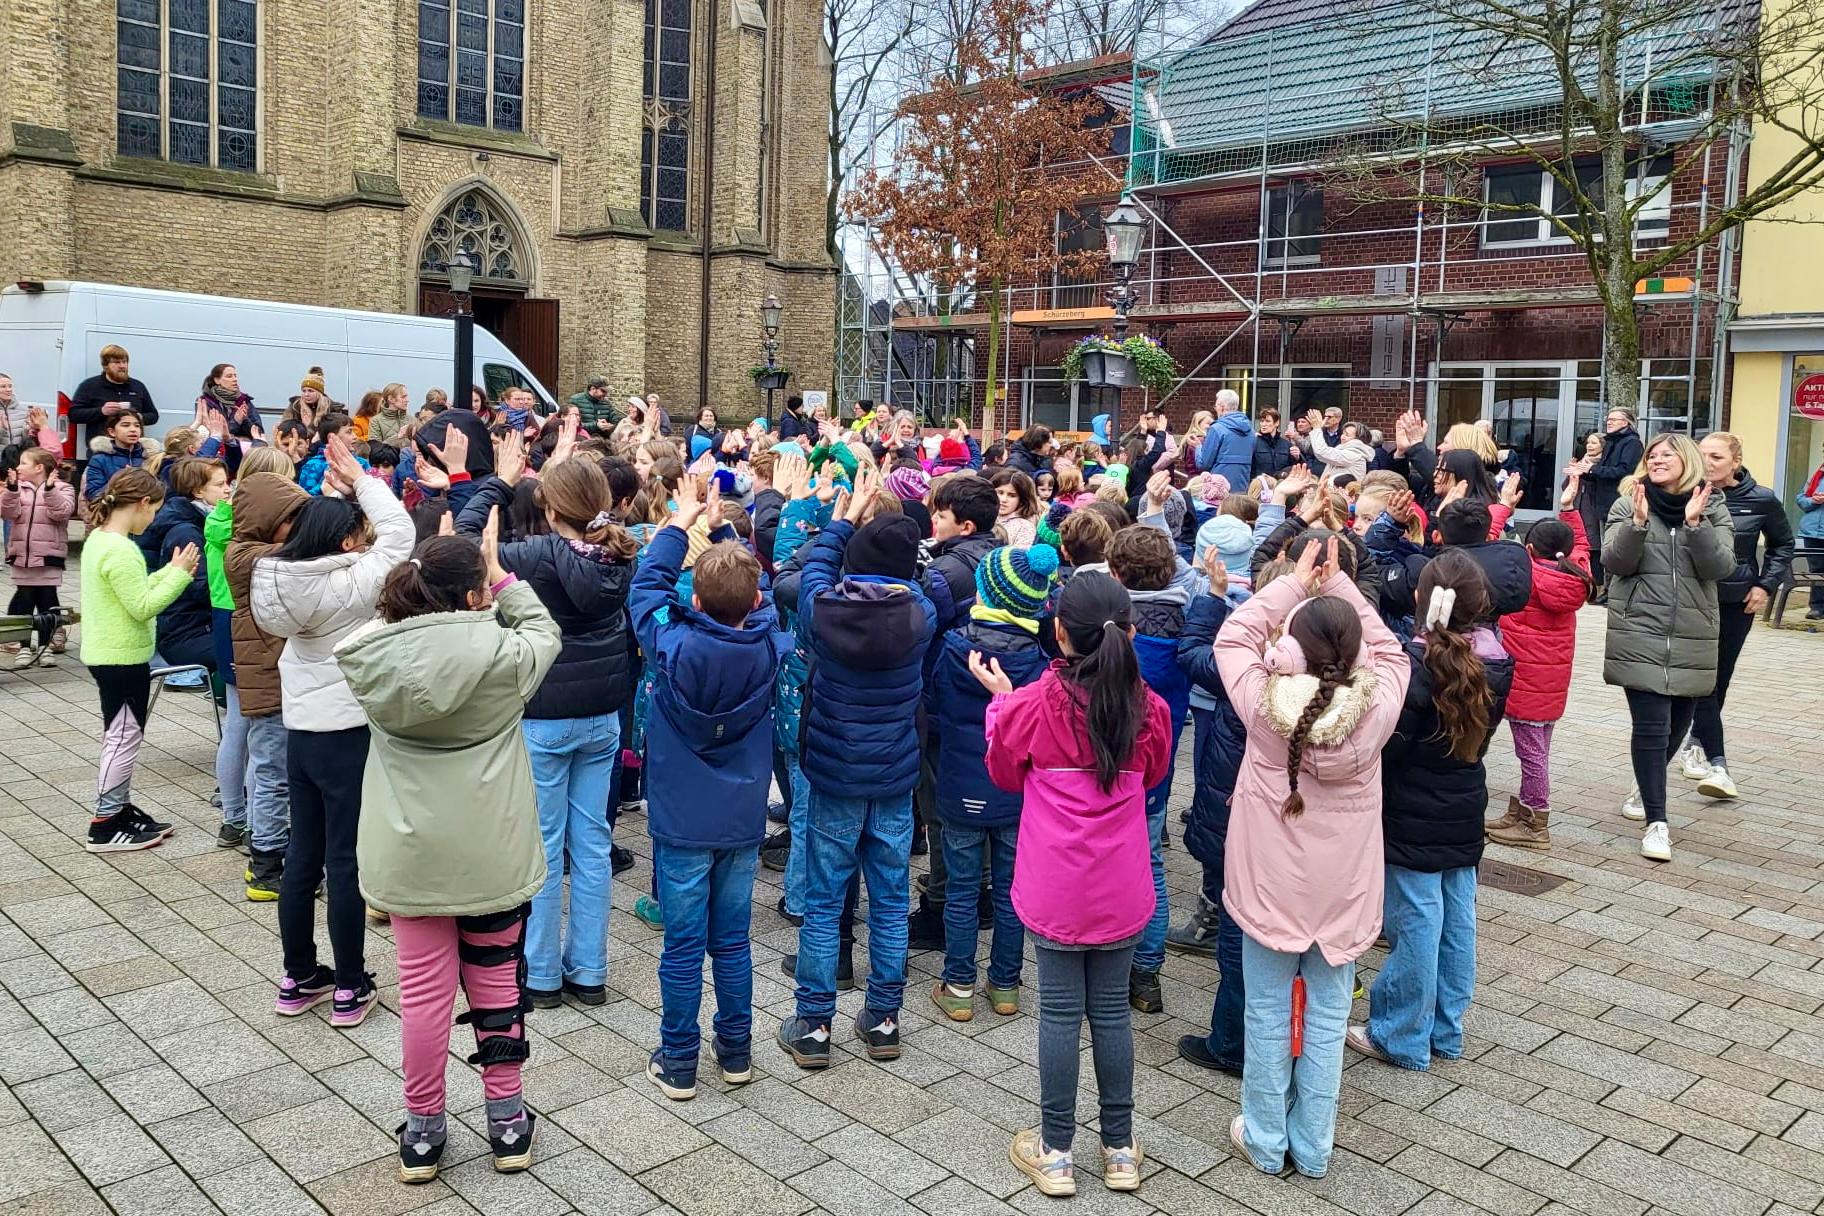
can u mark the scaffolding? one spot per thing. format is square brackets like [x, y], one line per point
[1273, 102]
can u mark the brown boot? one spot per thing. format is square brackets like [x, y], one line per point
[1530, 832]
[1515, 812]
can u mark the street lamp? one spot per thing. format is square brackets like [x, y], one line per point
[771, 313]
[1125, 228]
[462, 269]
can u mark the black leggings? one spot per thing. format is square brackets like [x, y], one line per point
[325, 769]
[1660, 723]
[1707, 722]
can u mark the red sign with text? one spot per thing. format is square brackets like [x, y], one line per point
[1808, 398]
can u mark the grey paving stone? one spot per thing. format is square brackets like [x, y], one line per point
[374, 1189]
[967, 1147]
[596, 1188]
[891, 1165]
[259, 1186]
[108, 1150]
[714, 1182]
[319, 1139]
[1562, 1186]
[759, 1140]
[841, 1191]
[629, 1131]
[872, 1095]
[1364, 1187]
[30, 1161]
[1635, 1072]
[1666, 1183]
[160, 1192]
[1515, 1126]
[205, 1143]
[791, 1108]
[66, 1099]
[166, 1008]
[29, 1053]
[1470, 1185]
[276, 1089]
[153, 1094]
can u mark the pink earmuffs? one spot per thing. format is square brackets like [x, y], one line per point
[1284, 656]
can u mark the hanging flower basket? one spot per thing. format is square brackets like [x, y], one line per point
[769, 377]
[1139, 361]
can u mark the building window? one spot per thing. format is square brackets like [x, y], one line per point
[1295, 222]
[1651, 180]
[187, 78]
[1076, 235]
[665, 135]
[1292, 389]
[472, 62]
[472, 224]
[1532, 186]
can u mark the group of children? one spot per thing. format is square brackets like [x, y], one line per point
[474, 643]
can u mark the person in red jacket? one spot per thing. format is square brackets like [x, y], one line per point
[1542, 638]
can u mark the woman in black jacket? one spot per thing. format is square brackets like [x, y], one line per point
[1757, 515]
[1622, 451]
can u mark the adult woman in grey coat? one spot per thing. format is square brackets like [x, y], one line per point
[1667, 544]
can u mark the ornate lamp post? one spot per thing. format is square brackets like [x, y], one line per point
[771, 314]
[462, 270]
[1125, 228]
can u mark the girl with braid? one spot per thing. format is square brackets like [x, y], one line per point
[1318, 681]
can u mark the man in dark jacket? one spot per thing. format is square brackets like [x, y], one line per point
[595, 406]
[101, 397]
[793, 423]
[1622, 450]
[866, 626]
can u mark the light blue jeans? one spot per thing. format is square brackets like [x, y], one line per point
[708, 897]
[874, 836]
[1416, 1007]
[231, 762]
[799, 820]
[269, 790]
[1288, 1105]
[572, 768]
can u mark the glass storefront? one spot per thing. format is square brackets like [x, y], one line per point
[1804, 452]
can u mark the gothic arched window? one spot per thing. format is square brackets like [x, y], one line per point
[474, 223]
[665, 131]
[472, 62]
[187, 80]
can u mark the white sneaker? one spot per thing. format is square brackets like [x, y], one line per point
[1656, 843]
[1717, 784]
[1695, 764]
[28, 655]
[1633, 808]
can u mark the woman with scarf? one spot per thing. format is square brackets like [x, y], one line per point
[222, 395]
[1667, 544]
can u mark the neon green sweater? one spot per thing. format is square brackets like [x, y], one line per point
[120, 601]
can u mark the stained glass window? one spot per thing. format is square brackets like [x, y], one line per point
[665, 138]
[472, 62]
[187, 81]
[473, 223]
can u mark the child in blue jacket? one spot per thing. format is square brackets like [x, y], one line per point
[1011, 590]
[866, 626]
[710, 732]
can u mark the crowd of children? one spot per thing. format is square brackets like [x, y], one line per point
[457, 645]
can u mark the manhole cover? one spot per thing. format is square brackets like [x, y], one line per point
[1517, 879]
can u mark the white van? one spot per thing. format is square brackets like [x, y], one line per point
[51, 335]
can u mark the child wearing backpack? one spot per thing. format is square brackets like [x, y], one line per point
[1542, 638]
[1433, 790]
[1318, 681]
[1081, 747]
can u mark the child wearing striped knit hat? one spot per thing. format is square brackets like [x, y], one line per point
[980, 820]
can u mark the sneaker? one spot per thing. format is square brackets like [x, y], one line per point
[619, 860]
[1195, 1049]
[776, 850]
[376, 917]
[121, 832]
[352, 1004]
[301, 996]
[231, 836]
[418, 1158]
[264, 873]
[845, 968]
[647, 909]
[956, 1007]
[1633, 808]
[1121, 1167]
[632, 806]
[544, 998]
[1362, 1044]
[27, 656]
[737, 1065]
[797, 921]
[1143, 991]
[60, 640]
[144, 820]
[1050, 1170]
[1004, 1001]
[1238, 1140]
[807, 1042]
[1693, 763]
[1816, 614]
[1656, 842]
[511, 1143]
[881, 1038]
[672, 1080]
[1717, 784]
[925, 927]
[1197, 934]
[587, 994]
[778, 812]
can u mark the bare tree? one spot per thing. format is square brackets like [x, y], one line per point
[862, 38]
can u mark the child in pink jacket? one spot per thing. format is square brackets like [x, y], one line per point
[1318, 681]
[1082, 869]
[38, 506]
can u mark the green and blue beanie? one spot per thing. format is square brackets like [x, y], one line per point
[1017, 581]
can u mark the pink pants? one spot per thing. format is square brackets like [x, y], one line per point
[1533, 748]
[487, 953]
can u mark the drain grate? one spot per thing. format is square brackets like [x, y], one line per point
[1516, 879]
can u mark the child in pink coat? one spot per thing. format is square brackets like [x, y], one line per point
[1318, 681]
[1082, 870]
[38, 506]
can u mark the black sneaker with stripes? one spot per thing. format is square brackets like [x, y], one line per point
[125, 830]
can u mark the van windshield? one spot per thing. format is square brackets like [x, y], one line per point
[497, 378]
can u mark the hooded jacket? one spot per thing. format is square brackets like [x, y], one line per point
[1663, 610]
[1351, 457]
[1158, 622]
[40, 543]
[316, 603]
[262, 505]
[867, 636]
[387, 425]
[1509, 570]
[1431, 801]
[709, 731]
[1082, 868]
[1542, 637]
[1318, 878]
[1228, 449]
[957, 707]
[179, 522]
[449, 816]
[105, 460]
[1621, 454]
[949, 581]
[1756, 512]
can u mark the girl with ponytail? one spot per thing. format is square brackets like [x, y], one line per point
[1318, 681]
[1082, 746]
[1433, 791]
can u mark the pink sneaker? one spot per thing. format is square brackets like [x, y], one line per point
[301, 996]
[352, 1004]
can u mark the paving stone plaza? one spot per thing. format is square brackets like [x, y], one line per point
[1645, 1038]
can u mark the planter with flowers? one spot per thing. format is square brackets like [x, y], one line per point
[1137, 361]
[769, 378]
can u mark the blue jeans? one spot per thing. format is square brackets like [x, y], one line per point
[798, 818]
[708, 899]
[572, 768]
[873, 835]
[231, 762]
[1289, 1105]
[1149, 955]
[1415, 1009]
[269, 792]
[963, 858]
[1207, 837]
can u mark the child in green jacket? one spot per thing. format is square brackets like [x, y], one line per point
[120, 607]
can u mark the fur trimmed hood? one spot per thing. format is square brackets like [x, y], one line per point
[1288, 695]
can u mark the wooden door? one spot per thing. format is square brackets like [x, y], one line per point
[531, 333]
